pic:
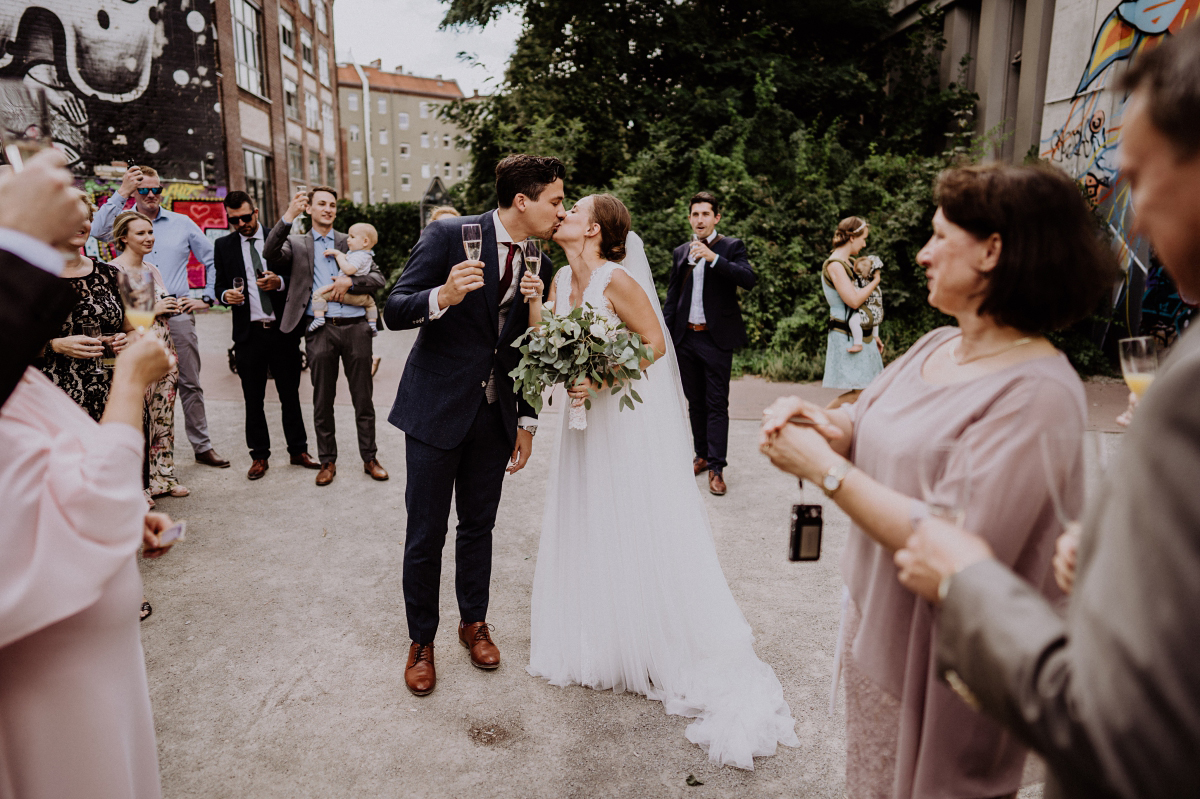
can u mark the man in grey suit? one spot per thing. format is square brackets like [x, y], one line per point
[345, 337]
[1110, 695]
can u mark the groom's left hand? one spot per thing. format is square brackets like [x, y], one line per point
[520, 455]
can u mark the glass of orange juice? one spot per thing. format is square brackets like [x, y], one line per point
[137, 293]
[1139, 362]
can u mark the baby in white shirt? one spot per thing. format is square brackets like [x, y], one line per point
[360, 239]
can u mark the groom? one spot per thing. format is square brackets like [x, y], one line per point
[456, 402]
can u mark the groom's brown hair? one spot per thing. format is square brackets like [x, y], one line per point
[526, 174]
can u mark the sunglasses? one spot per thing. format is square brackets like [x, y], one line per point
[156, 190]
[241, 219]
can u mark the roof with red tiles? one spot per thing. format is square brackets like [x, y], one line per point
[397, 82]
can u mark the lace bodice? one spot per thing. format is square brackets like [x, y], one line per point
[593, 293]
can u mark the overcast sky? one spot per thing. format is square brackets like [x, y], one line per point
[405, 33]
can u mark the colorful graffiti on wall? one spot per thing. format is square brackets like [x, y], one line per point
[1086, 143]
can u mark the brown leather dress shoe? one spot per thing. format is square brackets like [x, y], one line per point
[699, 465]
[325, 476]
[419, 674]
[305, 460]
[716, 484]
[376, 471]
[210, 458]
[258, 468]
[477, 639]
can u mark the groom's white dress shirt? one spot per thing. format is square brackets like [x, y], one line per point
[696, 309]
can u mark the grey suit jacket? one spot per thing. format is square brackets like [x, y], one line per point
[293, 257]
[1110, 696]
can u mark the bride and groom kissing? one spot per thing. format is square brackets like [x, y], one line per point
[628, 592]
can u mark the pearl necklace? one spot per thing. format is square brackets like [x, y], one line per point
[961, 361]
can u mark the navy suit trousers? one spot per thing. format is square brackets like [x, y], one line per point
[704, 369]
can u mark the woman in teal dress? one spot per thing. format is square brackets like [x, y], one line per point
[849, 371]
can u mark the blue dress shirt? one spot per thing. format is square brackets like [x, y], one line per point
[325, 269]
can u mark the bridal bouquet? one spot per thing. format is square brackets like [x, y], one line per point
[582, 343]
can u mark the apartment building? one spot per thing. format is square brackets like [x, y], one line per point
[393, 141]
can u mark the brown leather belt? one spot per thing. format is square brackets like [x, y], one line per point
[264, 323]
[697, 328]
[339, 321]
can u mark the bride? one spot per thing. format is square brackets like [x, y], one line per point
[628, 593]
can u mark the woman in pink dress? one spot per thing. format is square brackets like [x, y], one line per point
[1014, 254]
[74, 705]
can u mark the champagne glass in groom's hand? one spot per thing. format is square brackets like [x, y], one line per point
[472, 236]
[466, 276]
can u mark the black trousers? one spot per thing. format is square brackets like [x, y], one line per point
[268, 349]
[473, 473]
[348, 344]
[704, 369]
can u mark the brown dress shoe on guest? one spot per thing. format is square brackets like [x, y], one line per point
[376, 471]
[477, 639]
[258, 468]
[419, 674]
[325, 476]
[716, 484]
[305, 460]
[210, 458]
[699, 465]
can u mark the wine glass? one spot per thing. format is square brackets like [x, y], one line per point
[301, 225]
[137, 293]
[695, 240]
[26, 124]
[1075, 453]
[944, 471]
[473, 241]
[92, 330]
[1139, 362]
[239, 285]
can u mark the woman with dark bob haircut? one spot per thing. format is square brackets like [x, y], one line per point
[1014, 254]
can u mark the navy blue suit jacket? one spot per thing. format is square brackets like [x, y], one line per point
[447, 370]
[722, 313]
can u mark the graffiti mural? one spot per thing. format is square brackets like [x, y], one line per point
[126, 80]
[1084, 130]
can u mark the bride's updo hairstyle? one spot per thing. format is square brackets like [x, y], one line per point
[613, 218]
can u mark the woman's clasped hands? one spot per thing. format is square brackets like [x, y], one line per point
[799, 436]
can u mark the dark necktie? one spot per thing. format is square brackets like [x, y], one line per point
[506, 279]
[256, 261]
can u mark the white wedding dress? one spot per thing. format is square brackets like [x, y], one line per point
[628, 593]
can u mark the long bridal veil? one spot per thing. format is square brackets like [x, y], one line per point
[628, 592]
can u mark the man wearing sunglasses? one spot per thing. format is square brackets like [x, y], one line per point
[258, 343]
[175, 237]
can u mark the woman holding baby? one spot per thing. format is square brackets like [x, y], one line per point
[853, 353]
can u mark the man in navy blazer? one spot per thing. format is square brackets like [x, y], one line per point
[705, 321]
[456, 403]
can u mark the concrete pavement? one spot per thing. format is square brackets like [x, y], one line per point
[276, 650]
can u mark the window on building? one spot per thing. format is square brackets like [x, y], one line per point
[383, 166]
[314, 167]
[446, 168]
[358, 197]
[406, 183]
[258, 184]
[381, 105]
[425, 170]
[404, 149]
[247, 46]
[304, 9]
[460, 172]
[312, 111]
[320, 15]
[356, 169]
[352, 101]
[287, 34]
[435, 141]
[383, 137]
[323, 65]
[424, 139]
[291, 99]
[402, 120]
[295, 161]
[446, 141]
[425, 110]
[387, 196]
[330, 172]
[306, 51]
[354, 135]
[327, 121]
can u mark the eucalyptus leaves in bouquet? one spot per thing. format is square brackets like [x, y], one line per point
[577, 345]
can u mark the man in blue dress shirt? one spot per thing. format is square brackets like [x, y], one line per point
[175, 236]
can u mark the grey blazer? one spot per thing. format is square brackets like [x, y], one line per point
[293, 257]
[1110, 696]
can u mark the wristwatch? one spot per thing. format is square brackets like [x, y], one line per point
[833, 478]
[528, 428]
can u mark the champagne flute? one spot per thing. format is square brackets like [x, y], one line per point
[239, 285]
[92, 330]
[473, 241]
[137, 293]
[26, 125]
[301, 224]
[1059, 449]
[944, 471]
[1139, 362]
[531, 249]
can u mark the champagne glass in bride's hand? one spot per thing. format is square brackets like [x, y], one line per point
[472, 236]
[25, 124]
[944, 471]
[1139, 362]
[137, 293]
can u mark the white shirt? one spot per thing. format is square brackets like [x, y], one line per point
[35, 251]
[255, 241]
[696, 309]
